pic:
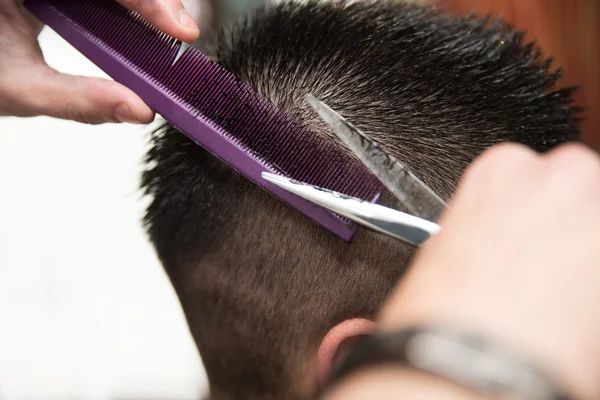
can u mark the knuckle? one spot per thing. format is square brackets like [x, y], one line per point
[573, 167]
[88, 106]
[575, 158]
[495, 160]
[132, 4]
[576, 155]
[512, 153]
[148, 8]
[75, 112]
[135, 5]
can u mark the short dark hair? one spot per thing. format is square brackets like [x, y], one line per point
[260, 284]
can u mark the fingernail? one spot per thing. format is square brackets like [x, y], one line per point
[124, 114]
[186, 19]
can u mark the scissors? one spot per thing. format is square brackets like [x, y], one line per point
[418, 198]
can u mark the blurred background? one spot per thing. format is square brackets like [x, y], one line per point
[86, 311]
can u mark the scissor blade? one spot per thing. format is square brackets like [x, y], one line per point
[410, 190]
[182, 48]
[386, 220]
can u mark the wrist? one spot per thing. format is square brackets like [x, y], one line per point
[566, 349]
[391, 382]
[477, 363]
[565, 361]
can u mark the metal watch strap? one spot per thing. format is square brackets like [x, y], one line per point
[465, 359]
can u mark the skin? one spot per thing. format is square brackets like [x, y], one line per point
[521, 224]
[439, 91]
[521, 188]
[29, 87]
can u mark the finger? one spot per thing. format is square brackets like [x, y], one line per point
[573, 169]
[497, 164]
[573, 157]
[36, 24]
[498, 160]
[167, 15]
[83, 99]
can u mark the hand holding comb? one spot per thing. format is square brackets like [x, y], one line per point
[211, 106]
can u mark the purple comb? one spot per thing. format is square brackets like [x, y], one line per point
[210, 105]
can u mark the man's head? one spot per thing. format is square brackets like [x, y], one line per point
[272, 299]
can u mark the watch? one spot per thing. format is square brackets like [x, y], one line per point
[457, 356]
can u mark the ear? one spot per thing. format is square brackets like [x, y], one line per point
[338, 341]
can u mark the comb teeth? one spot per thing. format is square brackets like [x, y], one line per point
[209, 104]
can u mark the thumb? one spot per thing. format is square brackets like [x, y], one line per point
[84, 99]
[169, 16]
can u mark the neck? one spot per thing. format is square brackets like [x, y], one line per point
[220, 395]
[215, 394]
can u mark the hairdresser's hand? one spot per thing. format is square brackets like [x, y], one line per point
[29, 87]
[518, 261]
